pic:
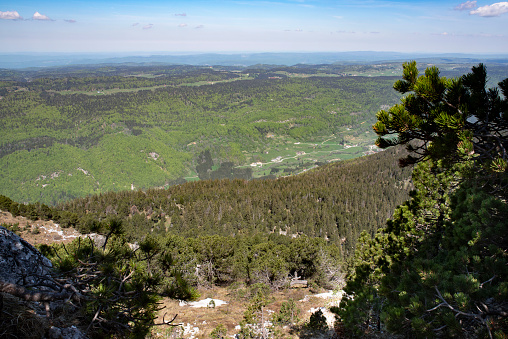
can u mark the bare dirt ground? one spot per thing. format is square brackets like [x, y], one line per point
[38, 231]
[199, 322]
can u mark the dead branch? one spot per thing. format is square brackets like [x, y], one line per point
[40, 296]
[167, 323]
[480, 317]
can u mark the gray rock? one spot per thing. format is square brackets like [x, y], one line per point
[65, 333]
[21, 263]
[98, 239]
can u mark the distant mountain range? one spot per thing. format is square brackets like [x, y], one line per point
[28, 60]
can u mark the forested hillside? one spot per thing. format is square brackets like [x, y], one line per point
[439, 266]
[220, 233]
[333, 202]
[69, 136]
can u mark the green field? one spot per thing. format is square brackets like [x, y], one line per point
[292, 157]
[73, 132]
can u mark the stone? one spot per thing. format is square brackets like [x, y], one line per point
[21, 263]
[65, 333]
[298, 284]
[98, 239]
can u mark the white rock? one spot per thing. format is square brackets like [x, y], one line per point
[202, 303]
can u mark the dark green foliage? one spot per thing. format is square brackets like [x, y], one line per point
[204, 165]
[469, 270]
[119, 288]
[259, 260]
[287, 315]
[439, 267]
[437, 257]
[448, 119]
[219, 332]
[317, 321]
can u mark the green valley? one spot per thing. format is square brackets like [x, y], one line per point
[149, 130]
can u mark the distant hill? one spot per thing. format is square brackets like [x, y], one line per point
[27, 60]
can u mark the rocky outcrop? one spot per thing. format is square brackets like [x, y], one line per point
[21, 263]
[27, 274]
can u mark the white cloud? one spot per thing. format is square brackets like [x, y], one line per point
[491, 10]
[182, 25]
[181, 14]
[135, 24]
[10, 15]
[39, 16]
[71, 21]
[149, 26]
[199, 26]
[466, 5]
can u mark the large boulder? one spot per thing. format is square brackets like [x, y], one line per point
[21, 263]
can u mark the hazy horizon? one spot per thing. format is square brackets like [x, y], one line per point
[24, 60]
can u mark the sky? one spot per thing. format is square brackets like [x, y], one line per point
[154, 26]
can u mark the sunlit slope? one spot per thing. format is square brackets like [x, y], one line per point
[57, 146]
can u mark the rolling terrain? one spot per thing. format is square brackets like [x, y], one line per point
[77, 133]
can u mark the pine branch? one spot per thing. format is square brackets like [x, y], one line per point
[479, 317]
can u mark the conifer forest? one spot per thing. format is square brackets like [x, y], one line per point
[386, 182]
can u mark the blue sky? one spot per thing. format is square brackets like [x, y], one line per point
[253, 26]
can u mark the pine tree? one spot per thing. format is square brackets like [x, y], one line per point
[439, 267]
[449, 119]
